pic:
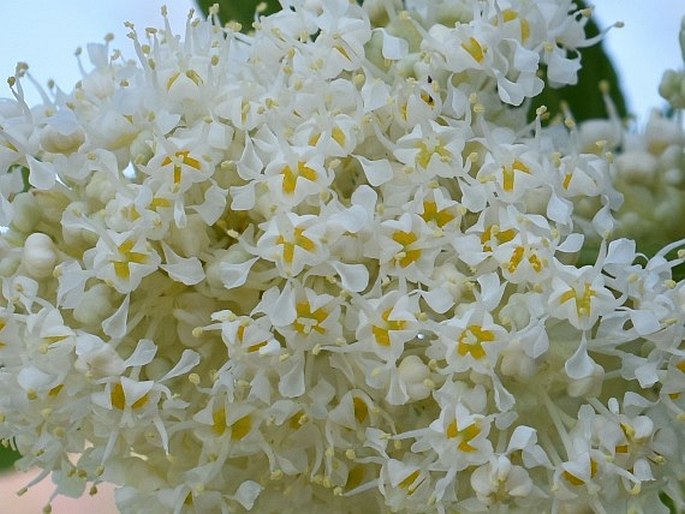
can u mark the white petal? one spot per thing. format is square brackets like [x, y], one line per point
[180, 217]
[143, 354]
[6, 211]
[235, 275]
[503, 398]
[354, 277]
[572, 244]
[398, 471]
[473, 197]
[603, 222]
[291, 381]
[134, 390]
[634, 400]
[33, 378]
[365, 197]
[247, 493]
[243, 197]
[283, 312]
[375, 94]
[393, 48]
[98, 54]
[526, 60]
[350, 220]
[72, 283]
[115, 325]
[621, 251]
[522, 437]
[249, 164]
[490, 290]
[187, 270]
[580, 365]
[438, 299]
[644, 322]
[377, 172]
[642, 470]
[213, 207]
[647, 373]
[165, 121]
[559, 209]
[42, 175]
[189, 359]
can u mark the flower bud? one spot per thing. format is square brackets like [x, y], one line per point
[637, 167]
[114, 130]
[191, 239]
[414, 373]
[9, 264]
[39, 257]
[592, 131]
[672, 88]
[100, 189]
[62, 135]
[95, 306]
[26, 212]
[141, 152]
[98, 84]
[662, 133]
[378, 10]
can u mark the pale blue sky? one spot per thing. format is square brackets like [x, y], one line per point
[46, 34]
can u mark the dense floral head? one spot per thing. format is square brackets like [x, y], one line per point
[328, 267]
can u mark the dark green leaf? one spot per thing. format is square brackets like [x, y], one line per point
[241, 11]
[7, 458]
[585, 99]
[666, 500]
[25, 178]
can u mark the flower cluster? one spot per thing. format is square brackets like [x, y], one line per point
[328, 267]
[648, 170]
[672, 86]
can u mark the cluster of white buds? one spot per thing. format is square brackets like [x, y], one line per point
[672, 86]
[324, 268]
[648, 170]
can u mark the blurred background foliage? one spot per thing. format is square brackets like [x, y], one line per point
[8, 457]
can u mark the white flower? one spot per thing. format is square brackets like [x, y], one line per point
[292, 242]
[499, 479]
[329, 267]
[122, 260]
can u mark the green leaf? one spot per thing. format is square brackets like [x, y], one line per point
[666, 500]
[24, 177]
[241, 11]
[8, 457]
[585, 99]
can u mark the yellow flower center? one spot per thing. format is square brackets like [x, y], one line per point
[382, 334]
[179, 159]
[406, 256]
[118, 397]
[290, 177]
[471, 341]
[298, 240]
[583, 301]
[128, 256]
[464, 435]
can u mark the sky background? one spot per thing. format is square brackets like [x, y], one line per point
[46, 35]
